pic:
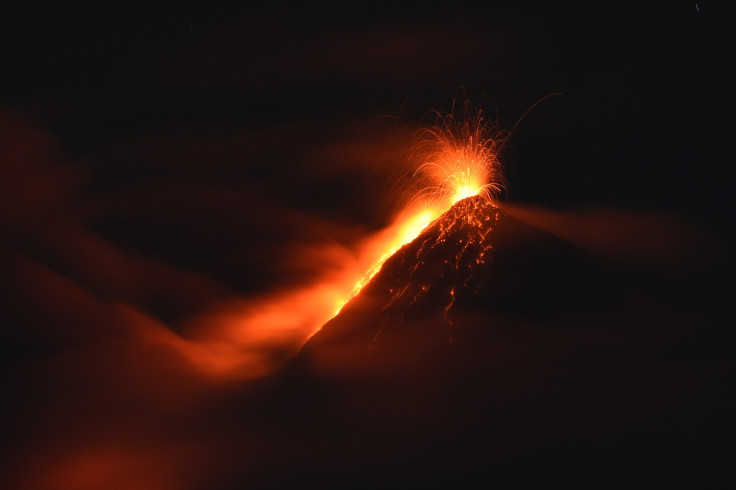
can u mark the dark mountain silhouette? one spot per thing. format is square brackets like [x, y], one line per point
[489, 352]
[477, 258]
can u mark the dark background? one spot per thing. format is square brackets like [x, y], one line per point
[167, 157]
[642, 123]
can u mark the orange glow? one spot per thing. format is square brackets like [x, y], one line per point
[407, 230]
[458, 159]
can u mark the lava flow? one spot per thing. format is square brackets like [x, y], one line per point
[458, 157]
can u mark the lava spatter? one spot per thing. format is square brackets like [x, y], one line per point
[446, 261]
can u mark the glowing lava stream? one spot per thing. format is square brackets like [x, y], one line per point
[408, 231]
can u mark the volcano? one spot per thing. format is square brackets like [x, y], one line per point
[473, 258]
[490, 352]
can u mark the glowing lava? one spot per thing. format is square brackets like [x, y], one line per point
[408, 231]
[458, 157]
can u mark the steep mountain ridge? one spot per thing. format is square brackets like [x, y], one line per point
[475, 256]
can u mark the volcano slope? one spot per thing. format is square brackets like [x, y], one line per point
[475, 257]
[490, 352]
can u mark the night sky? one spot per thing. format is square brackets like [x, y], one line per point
[165, 167]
